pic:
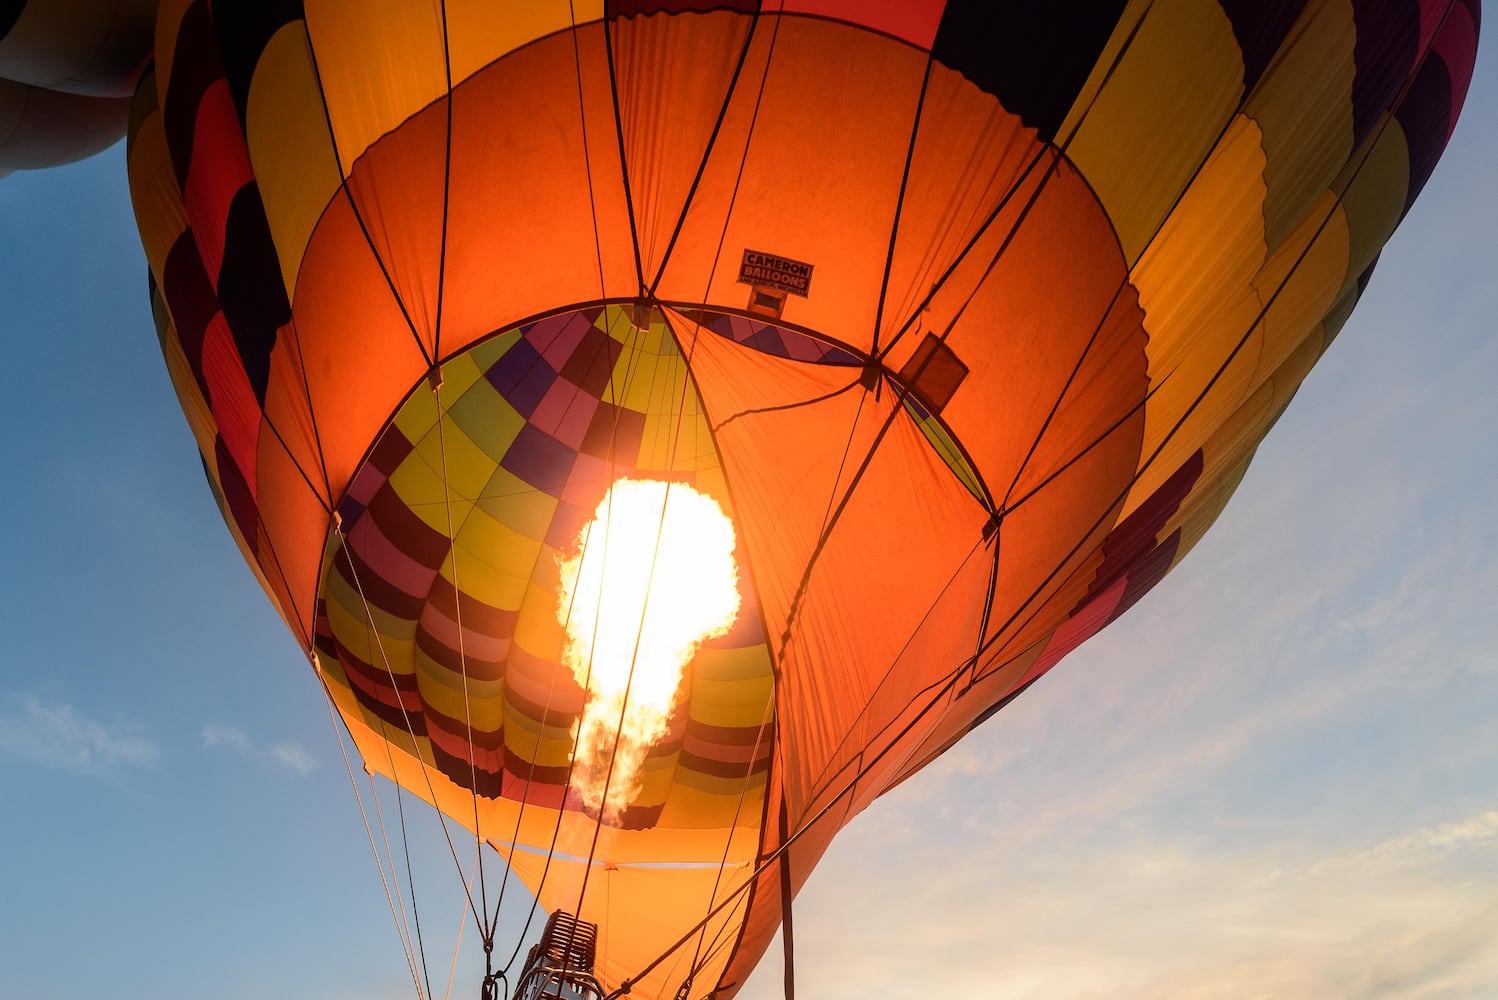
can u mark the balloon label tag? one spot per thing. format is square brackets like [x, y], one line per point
[766, 270]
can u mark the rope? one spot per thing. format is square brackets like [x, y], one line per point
[400, 900]
[390, 672]
[473, 784]
[629, 198]
[368, 832]
[889, 257]
[452, 969]
[410, 877]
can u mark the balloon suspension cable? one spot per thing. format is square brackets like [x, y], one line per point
[400, 929]
[481, 913]
[699, 960]
[341, 532]
[452, 967]
[997, 512]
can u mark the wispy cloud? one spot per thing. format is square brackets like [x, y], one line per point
[219, 735]
[63, 737]
[293, 756]
[1137, 916]
[1479, 832]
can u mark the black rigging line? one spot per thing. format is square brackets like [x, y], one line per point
[390, 856]
[453, 554]
[961, 257]
[836, 507]
[447, 172]
[321, 500]
[582, 114]
[831, 522]
[452, 533]
[779, 407]
[322, 460]
[883, 287]
[629, 201]
[699, 961]
[457, 599]
[894, 232]
[354, 207]
[275, 559]
[400, 807]
[707, 153]
[900, 654]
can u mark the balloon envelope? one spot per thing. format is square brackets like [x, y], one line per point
[968, 316]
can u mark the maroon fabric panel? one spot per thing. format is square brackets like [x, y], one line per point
[1384, 52]
[190, 299]
[1034, 57]
[1423, 115]
[1260, 26]
[238, 496]
[1134, 538]
[1147, 571]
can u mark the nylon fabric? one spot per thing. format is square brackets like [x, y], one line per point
[1118, 251]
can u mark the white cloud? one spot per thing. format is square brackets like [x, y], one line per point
[1480, 831]
[219, 735]
[61, 736]
[295, 757]
[1134, 916]
[289, 755]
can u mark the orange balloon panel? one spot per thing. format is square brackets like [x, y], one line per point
[967, 316]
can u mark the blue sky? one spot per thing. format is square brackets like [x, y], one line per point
[1276, 777]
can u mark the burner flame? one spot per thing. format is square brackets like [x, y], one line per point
[652, 578]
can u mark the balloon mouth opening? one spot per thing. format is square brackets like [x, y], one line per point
[649, 578]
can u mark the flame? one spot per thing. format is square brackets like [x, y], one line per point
[652, 578]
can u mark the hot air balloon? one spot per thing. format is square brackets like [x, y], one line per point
[67, 70]
[667, 426]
